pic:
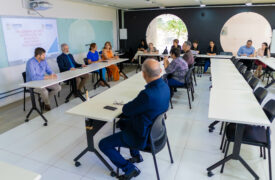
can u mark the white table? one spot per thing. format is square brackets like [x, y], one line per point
[215, 56]
[96, 116]
[140, 54]
[232, 100]
[11, 172]
[64, 76]
[240, 107]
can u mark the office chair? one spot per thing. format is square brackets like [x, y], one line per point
[188, 85]
[253, 82]
[242, 69]
[157, 141]
[248, 75]
[94, 74]
[254, 135]
[28, 91]
[239, 64]
[260, 94]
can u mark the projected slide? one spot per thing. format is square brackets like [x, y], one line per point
[23, 35]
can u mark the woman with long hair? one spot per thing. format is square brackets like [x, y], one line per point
[263, 51]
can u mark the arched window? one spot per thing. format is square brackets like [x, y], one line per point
[164, 29]
[242, 27]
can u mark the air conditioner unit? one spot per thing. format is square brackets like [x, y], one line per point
[39, 5]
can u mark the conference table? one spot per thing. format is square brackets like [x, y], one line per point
[96, 115]
[143, 54]
[236, 104]
[64, 76]
[11, 172]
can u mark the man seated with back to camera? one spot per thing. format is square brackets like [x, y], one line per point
[139, 114]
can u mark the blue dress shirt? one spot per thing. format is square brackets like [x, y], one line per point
[246, 50]
[36, 71]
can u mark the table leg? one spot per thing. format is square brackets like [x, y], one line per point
[74, 92]
[34, 107]
[121, 70]
[92, 127]
[101, 80]
[236, 153]
[139, 64]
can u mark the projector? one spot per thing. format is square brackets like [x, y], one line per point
[39, 5]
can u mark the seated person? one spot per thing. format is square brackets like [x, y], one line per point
[211, 51]
[140, 114]
[151, 49]
[66, 62]
[36, 68]
[141, 48]
[195, 47]
[262, 52]
[188, 56]
[247, 50]
[107, 54]
[176, 70]
[175, 45]
[93, 57]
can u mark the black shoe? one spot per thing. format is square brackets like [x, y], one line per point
[136, 159]
[175, 90]
[134, 173]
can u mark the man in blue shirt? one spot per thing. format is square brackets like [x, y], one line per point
[247, 50]
[140, 114]
[66, 62]
[37, 68]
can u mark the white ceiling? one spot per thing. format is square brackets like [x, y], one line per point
[129, 4]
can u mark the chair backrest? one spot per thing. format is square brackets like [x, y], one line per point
[158, 136]
[86, 61]
[260, 93]
[24, 76]
[226, 53]
[248, 75]
[188, 77]
[239, 64]
[253, 82]
[269, 109]
[242, 69]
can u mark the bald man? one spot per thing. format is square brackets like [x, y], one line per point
[140, 114]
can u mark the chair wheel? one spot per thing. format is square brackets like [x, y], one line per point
[77, 164]
[45, 124]
[209, 174]
[26, 120]
[113, 174]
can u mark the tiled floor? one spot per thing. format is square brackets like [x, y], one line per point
[50, 150]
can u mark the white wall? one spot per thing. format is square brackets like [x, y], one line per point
[11, 76]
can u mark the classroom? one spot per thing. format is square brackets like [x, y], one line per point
[137, 89]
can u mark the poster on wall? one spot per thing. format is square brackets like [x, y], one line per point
[23, 35]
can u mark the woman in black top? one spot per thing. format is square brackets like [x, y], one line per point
[143, 45]
[211, 51]
[175, 45]
[195, 46]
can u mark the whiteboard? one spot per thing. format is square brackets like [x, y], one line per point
[272, 48]
[23, 35]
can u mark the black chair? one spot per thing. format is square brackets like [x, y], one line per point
[188, 85]
[199, 63]
[226, 53]
[39, 97]
[94, 74]
[248, 75]
[157, 140]
[254, 135]
[28, 91]
[253, 82]
[194, 73]
[239, 64]
[242, 69]
[260, 93]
